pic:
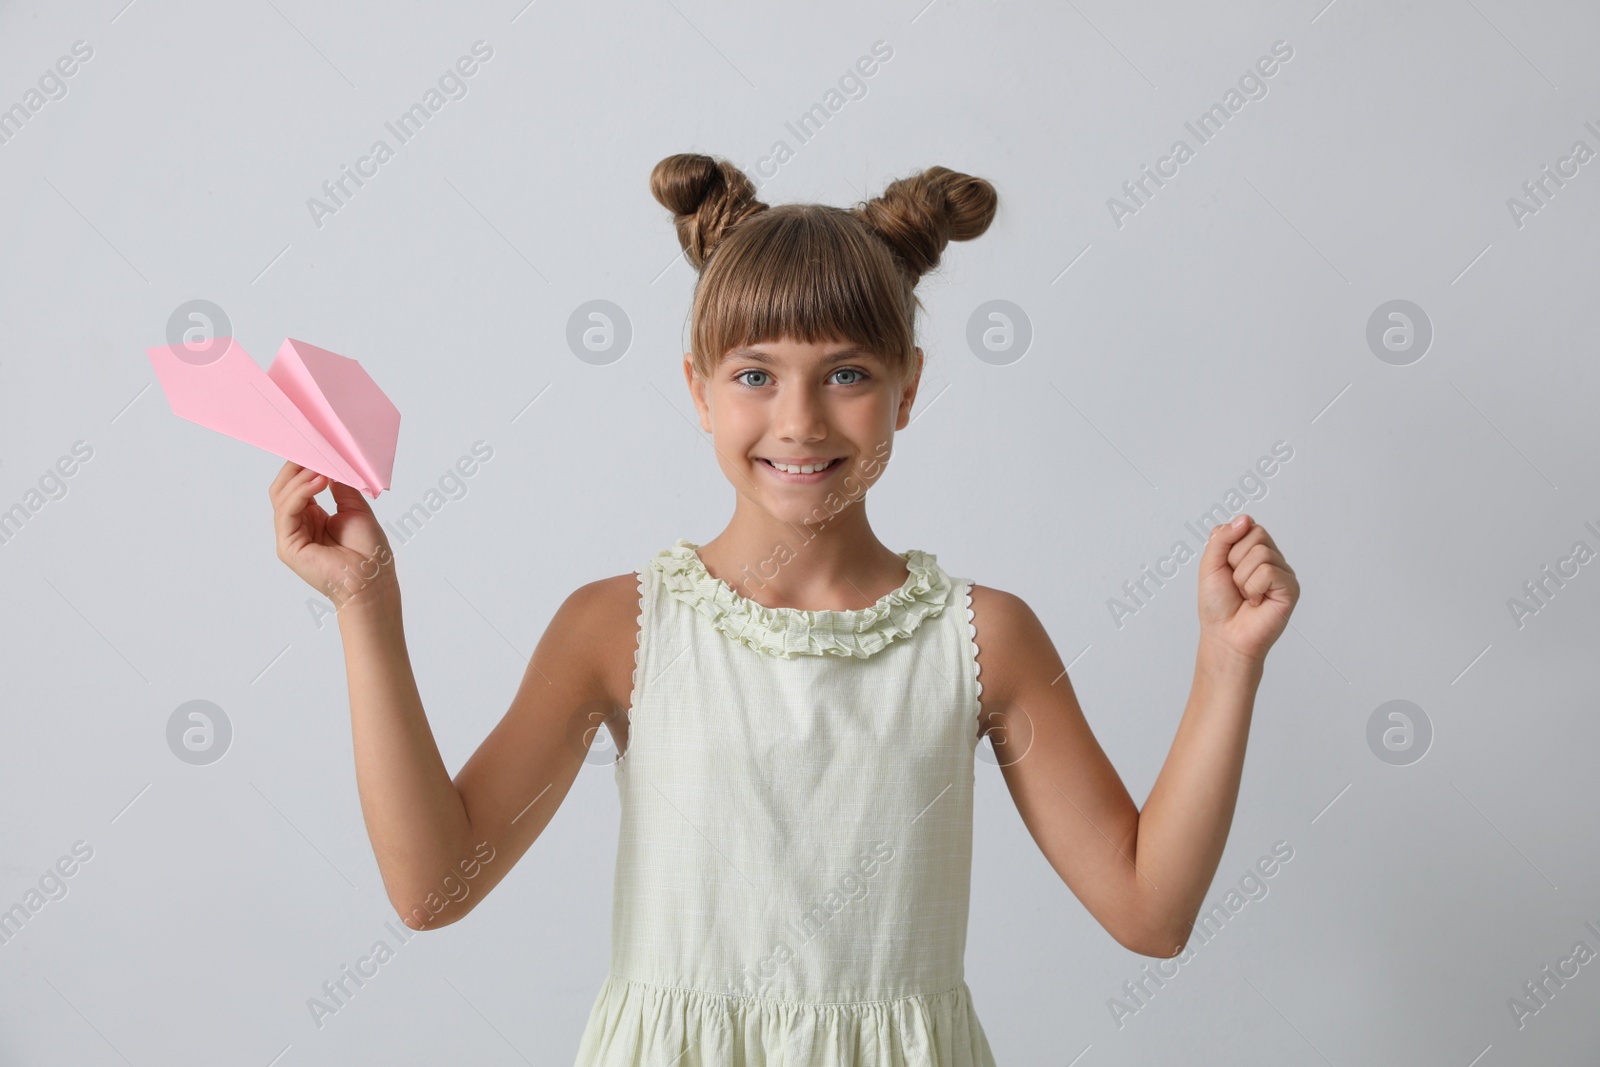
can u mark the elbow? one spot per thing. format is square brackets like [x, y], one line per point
[1151, 926]
[420, 917]
[1161, 941]
[1165, 948]
[424, 906]
[1161, 946]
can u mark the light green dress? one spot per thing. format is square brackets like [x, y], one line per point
[794, 861]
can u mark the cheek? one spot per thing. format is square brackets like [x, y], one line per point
[734, 424]
[735, 434]
[876, 421]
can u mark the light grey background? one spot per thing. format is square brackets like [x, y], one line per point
[1168, 355]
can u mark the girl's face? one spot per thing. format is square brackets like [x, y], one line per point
[783, 402]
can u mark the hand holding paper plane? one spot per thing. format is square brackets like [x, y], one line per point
[314, 407]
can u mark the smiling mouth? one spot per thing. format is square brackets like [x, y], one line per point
[832, 464]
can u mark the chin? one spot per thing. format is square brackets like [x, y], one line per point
[799, 513]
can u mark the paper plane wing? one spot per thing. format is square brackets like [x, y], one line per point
[233, 396]
[344, 404]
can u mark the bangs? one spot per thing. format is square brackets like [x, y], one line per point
[806, 273]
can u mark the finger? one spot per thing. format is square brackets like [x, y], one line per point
[1242, 547]
[1222, 539]
[1245, 570]
[292, 501]
[1258, 535]
[314, 512]
[283, 483]
[1261, 581]
[287, 481]
[349, 498]
[1275, 556]
[289, 469]
[1266, 539]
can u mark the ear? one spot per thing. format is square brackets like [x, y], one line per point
[908, 394]
[697, 391]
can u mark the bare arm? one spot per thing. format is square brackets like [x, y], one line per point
[441, 845]
[1143, 875]
[415, 817]
[1184, 825]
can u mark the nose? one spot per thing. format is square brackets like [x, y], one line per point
[799, 416]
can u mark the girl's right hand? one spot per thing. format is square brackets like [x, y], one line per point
[345, 555]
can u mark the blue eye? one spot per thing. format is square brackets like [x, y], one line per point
[740, 377]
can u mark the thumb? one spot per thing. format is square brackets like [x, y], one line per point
[1223, 538]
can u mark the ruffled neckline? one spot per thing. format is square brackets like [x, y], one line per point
[789, 632]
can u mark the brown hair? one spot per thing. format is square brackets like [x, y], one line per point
[812, 272]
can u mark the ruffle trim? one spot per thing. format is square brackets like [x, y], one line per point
[972, 650]
[635, 1022]
[790, 632]
[638, 647]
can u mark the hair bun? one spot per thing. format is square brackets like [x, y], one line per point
[917, 216]
[707, 197]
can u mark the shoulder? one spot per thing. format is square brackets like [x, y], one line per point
[600, 621]
[1012, 643]
[999, 613]
[605, 598]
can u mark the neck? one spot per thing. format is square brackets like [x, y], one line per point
[838, 564]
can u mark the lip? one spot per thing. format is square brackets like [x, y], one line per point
[801, 479]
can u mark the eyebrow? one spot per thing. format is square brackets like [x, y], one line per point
[755, 356]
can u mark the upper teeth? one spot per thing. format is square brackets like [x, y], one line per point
[808, 468]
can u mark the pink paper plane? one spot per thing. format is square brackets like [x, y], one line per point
[312, 406]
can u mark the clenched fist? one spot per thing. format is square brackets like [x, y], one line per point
[1247, 589]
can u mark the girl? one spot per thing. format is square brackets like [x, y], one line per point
[795, 705]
